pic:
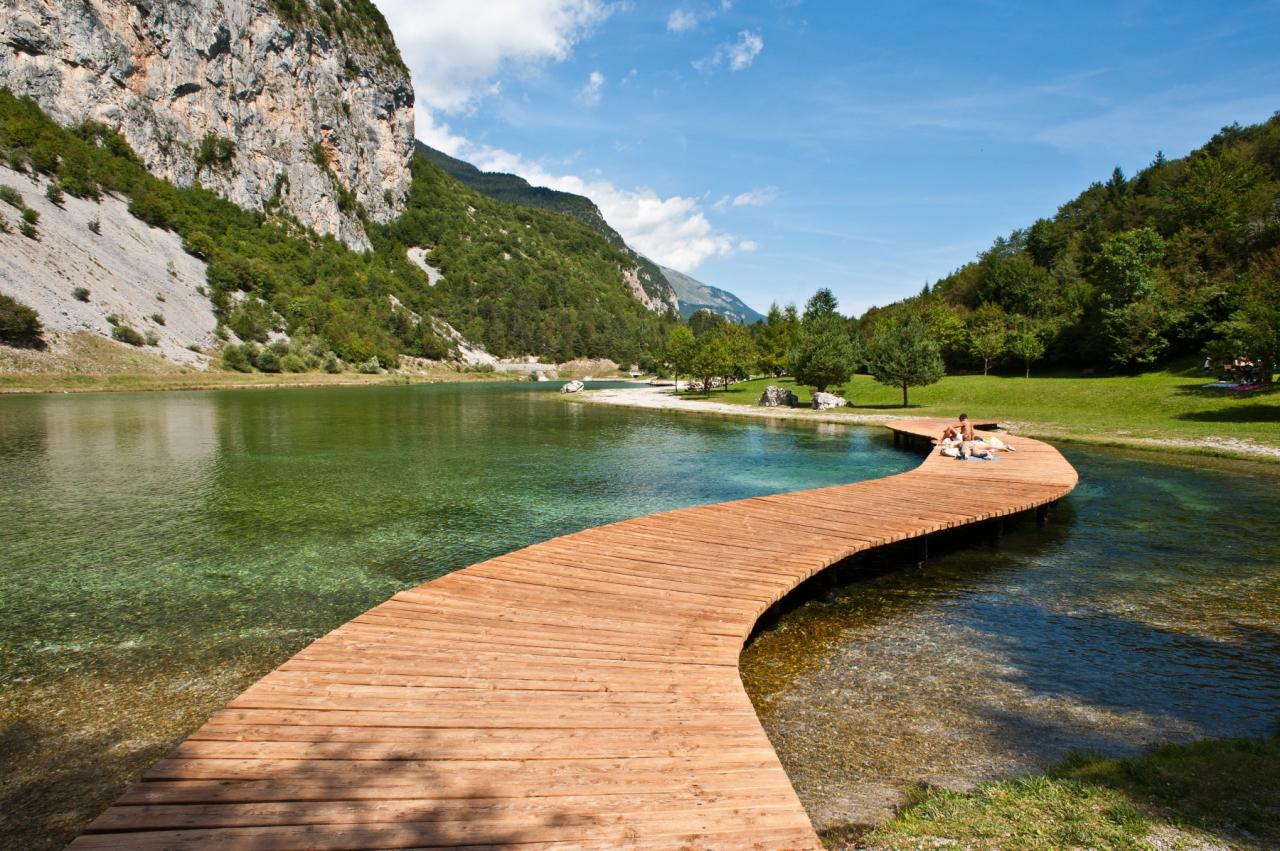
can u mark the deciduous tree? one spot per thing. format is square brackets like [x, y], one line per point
[988, 334]
[901, 354]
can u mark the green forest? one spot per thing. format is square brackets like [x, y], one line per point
[516, 190]
[516, 280]
[1182, 259]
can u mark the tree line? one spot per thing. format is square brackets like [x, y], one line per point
[1180, 260]
[820, 348]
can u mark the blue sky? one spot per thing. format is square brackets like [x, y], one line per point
[774, 147]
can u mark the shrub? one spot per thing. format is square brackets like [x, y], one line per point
[251, 320]
[238, 358]
[199, 245]
[80, 293]
[125, 334]
[31, 217]
[4, 224]
[12, 197]
[160, 297]
[215, 152]
[95, 225]
[157, 318]
[54, 193]
[28, 230]
[370, 367]
[113, 320]
[268, 360]
[332, 363]
[153, 339]
[293, 363]
[20, 325]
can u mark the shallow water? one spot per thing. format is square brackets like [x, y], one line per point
[1147, 611]
[160, 552]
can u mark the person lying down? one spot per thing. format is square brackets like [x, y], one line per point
[959, 440]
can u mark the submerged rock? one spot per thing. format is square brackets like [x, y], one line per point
[574, 386]
[823, 401]
[774, 397]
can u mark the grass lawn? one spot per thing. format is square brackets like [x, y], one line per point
[1209, 794]
[1169, 404]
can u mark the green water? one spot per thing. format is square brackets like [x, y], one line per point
[160, 552]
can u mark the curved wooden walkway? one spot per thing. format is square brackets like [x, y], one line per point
[580, 693]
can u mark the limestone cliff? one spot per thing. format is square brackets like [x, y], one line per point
[267, 102]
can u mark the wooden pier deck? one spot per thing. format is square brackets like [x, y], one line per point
[579, 693]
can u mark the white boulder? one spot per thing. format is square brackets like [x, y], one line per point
[823, 401]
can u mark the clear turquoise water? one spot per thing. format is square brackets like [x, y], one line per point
[159, 552]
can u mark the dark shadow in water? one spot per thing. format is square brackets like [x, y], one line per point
[1255, 412]
[55, 782]
[1219, 687]
[902, 562]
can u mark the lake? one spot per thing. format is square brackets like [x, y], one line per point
[160, 552]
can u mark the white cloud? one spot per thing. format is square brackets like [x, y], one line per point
[751, 198]
[738, 54]
[457, 54]
[673, 231]
[681, 21]
[456, 50]
[745, 50]
[748, 245]
[589, 94]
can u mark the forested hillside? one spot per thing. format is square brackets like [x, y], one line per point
[1181, 259]
[516, 190]
[517, 280]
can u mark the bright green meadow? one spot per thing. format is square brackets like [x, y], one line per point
[1163, 405]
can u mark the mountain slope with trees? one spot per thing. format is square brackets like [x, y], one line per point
[516, 190]
[1182, 259]
[664, 286]
[517, 280]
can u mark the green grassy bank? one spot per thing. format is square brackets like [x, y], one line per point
[1205, 795]
[1166, 405]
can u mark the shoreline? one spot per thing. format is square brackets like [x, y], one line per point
[664, 399]
[67, 383]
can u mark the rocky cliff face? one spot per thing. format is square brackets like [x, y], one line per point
[313, 113]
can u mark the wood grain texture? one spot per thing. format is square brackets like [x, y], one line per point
[579, 693]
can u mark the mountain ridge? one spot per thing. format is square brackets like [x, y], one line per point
[695, 295]
[655, 279]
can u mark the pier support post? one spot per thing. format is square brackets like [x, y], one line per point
[997, 532]
[923, 551]
[1042, 515]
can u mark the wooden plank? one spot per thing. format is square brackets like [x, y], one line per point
[578, 693]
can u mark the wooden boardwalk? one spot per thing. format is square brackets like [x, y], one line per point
[580, 693]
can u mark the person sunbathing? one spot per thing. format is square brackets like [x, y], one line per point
[970, 444]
